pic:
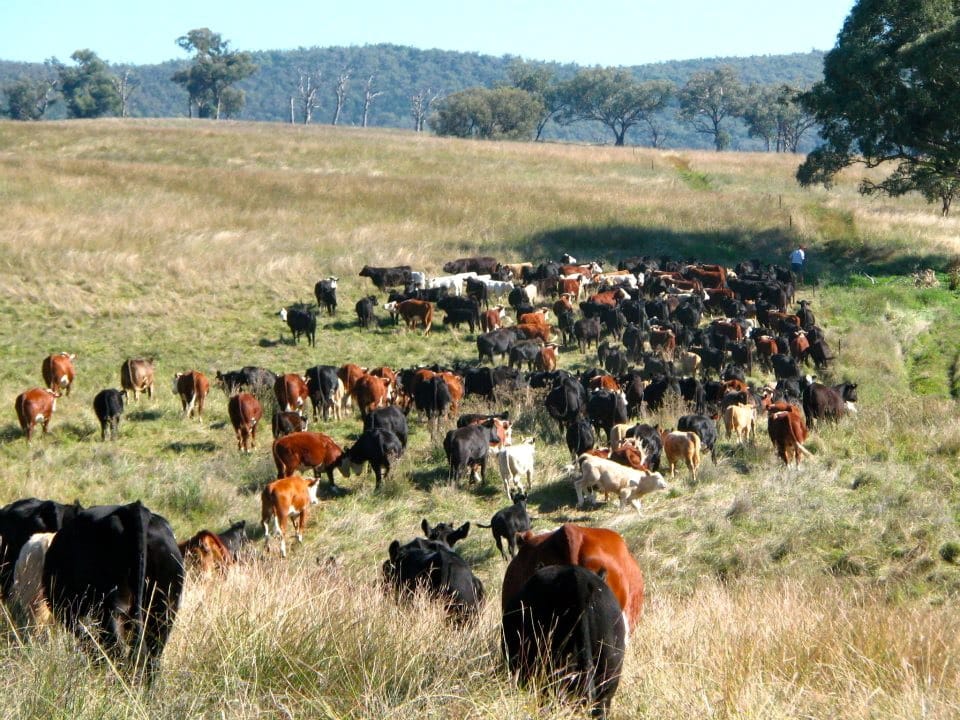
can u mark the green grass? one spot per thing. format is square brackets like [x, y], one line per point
[771, 592]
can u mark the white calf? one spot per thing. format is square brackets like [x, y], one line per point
[611, 477]
[513, 461]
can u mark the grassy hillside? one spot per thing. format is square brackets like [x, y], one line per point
[827, 591]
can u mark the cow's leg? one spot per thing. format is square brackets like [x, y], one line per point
[500, 547]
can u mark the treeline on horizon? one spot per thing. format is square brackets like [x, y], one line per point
[399, 74]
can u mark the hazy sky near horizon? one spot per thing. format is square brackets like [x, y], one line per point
[615, 32]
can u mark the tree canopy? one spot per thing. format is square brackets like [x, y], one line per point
[503, 112]
[28, 99]
[891, 95]
[88, 89]
[612, 97]
[209, 79]
[708, 98]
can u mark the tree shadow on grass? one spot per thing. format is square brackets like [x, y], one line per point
[182, 447]
[79, 432]
[426, 480]
[144, 415]
[833, 261]
[9, 433]
[551, 498]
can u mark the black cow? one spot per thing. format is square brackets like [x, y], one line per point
[821, 402]
[322, 385]
[788, 389]
[286, 422]
[710, 359]
[120, 565]
[606, 408]
[108, 406]
[507, 522]
[468, 447]
[478, 291]
[365, 311]
[389, 418]
[807, 319]
[460, 310]
[706, 429]
[495, 342]
[478, 381]
[235, 539]
[580, 437]
[445, 533]
[820, 353]
[586, 330]
[21, 519]
[326, 294]
[742, 353]
[481, 418]
[379, 447]
[251, 378]
[431, 566]
[565, 322]
[565, 621]
[649, 436]
[301, 321]
[655, 394]
[432, 397]
[387, 277]
[484, 265]
[784, 366]
[525, 352]
[566, 402]
[691, 390]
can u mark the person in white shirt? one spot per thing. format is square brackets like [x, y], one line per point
[797, 259]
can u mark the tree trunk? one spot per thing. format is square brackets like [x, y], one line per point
[292, 119]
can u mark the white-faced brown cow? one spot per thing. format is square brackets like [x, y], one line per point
[136, 375]
[58, 373]
[291, 392]
[192, 387]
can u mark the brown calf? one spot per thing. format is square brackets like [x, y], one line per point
[291, 392]
[245, 412]
[192, 387]
[57, 371]
[35, 406]
[282, 499]
[206, 551]
[136, 375]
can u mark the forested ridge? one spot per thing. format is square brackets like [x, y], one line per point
[399, 73]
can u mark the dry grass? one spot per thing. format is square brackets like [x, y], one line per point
[773, 593]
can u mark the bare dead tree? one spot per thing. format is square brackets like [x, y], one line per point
[308, 89]
[420, 106]
[125, 85]
[368, 97]
[341, 92]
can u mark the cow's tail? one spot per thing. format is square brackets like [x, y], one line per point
[428, 320]
[139, 518]
[802, 449]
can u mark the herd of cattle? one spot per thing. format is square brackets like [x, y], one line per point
[664, 332]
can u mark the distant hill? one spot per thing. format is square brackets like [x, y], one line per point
[403, 71]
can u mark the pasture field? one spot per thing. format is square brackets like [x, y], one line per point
[825, 592]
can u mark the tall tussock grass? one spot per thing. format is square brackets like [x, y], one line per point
[823, 591]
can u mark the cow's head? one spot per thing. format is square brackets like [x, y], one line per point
[445, 532]
[283, 314]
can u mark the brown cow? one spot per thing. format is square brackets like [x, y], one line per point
[245, 412]
[291, 392]
[348, 375]
[681, 445]
[533, 330]
[537, 317]
[284, 498]
[455, 386]
[35, 406]
[370, 393]
[787, 431]
[569, 287]
[390, 376]
[546, 359]
[58, 373]
[609, 297]
[604, 382]
[492, 319]
[206, 551]
[307, 449]
[592, 548]
[662, 341]
[414, 312]
[192, 387]
[136, 374]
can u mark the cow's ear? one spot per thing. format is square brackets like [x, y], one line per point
[602, 573]
[459, 534]
[394, 550]
[425, 526]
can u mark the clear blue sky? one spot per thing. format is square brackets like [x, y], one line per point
[598, 32]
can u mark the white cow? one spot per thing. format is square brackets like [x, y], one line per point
[611, 477]
[513, 461]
